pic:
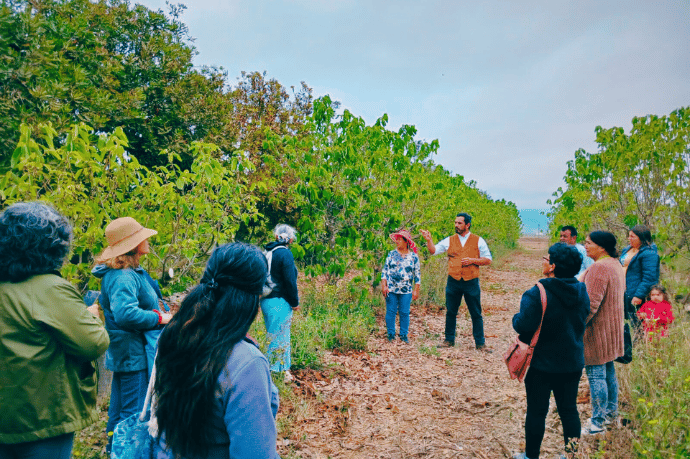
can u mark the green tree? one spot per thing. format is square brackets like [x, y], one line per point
[109, 65]
[640, 177]
[354, 184]
[93, 179]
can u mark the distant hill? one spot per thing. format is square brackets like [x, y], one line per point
[534, 221]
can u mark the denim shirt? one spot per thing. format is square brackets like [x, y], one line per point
[243, 416]
[128, 300]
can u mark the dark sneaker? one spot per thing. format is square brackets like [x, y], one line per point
[446, 343]
[404, 339]
[390, 337]
[483, 348]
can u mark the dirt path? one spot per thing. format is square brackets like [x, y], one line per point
[403, 401]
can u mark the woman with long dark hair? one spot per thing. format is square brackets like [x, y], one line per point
[215, 396]
[640, 262]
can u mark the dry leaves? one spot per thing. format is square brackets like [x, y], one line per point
[400, 401]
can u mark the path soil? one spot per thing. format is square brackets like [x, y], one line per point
[405, 401]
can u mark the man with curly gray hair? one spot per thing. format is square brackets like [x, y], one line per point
[48, 339]
[278, 305]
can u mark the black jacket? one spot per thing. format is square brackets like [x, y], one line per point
[284, 274]
[560, 348]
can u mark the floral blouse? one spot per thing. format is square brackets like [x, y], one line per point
[401, 272]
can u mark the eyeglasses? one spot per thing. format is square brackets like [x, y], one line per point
[546, 259]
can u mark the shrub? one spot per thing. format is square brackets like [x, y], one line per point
[656, 386]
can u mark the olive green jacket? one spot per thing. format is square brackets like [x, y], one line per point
[48, 341]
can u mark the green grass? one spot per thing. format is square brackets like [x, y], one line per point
[89, 443]
[656, 391]
[429, 350]
[330, 317]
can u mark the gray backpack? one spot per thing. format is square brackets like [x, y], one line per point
[270, 284]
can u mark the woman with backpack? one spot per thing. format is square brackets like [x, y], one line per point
[278, 305]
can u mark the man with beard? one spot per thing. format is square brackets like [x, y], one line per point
[466, 253]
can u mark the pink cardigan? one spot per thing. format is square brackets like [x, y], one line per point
[605, 281]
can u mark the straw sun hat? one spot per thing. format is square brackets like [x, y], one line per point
[124, 235]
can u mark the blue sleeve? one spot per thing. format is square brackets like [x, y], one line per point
[527, 320]
[124, 302]
[417, 270]
[649, 266]
[385, 273]
[249, 412]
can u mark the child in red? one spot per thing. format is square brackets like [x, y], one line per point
[657, 313]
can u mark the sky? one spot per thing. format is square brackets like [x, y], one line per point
[511, 89]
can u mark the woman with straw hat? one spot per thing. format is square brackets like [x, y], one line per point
[400, 281]
[129, 304]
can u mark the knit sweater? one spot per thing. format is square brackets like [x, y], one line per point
[605, 281]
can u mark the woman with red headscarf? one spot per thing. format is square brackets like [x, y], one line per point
[400, 281]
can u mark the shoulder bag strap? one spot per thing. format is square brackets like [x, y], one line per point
[149, 392]
[542, 294]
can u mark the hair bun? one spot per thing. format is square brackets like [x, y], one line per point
[238, 265]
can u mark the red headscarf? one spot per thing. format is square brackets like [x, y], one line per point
[407, 236]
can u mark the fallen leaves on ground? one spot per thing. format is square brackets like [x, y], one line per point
[413, 400]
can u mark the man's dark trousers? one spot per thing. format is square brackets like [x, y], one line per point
[455, 289]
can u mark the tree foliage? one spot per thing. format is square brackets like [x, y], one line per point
[110, 64]
[92, 179]
[103, 115]
[355, 184]
[640, 177]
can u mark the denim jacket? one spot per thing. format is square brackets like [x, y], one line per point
[128, 300]
[243, 416]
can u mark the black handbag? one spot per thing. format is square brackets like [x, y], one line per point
[627, 357]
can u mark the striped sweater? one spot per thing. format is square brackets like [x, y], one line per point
[605, 281]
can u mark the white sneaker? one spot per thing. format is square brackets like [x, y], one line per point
[591, 429]
[288, 376]
[520, 456]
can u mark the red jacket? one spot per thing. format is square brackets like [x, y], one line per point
[656, 316]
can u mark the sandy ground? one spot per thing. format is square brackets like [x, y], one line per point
[404, 401]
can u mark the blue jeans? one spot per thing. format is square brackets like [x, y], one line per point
[59, 447]
[398, 303]
[127, 395]
[278, 320]
[603, 386]
[455, 290]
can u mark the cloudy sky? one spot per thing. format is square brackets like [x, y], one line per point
[509, 88]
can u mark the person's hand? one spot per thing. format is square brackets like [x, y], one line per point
[415, 294]
[636, 301]
[467, 261]
[93, 309]
[385, 290]
[426, 235]
[296, 308]
[165, 318]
